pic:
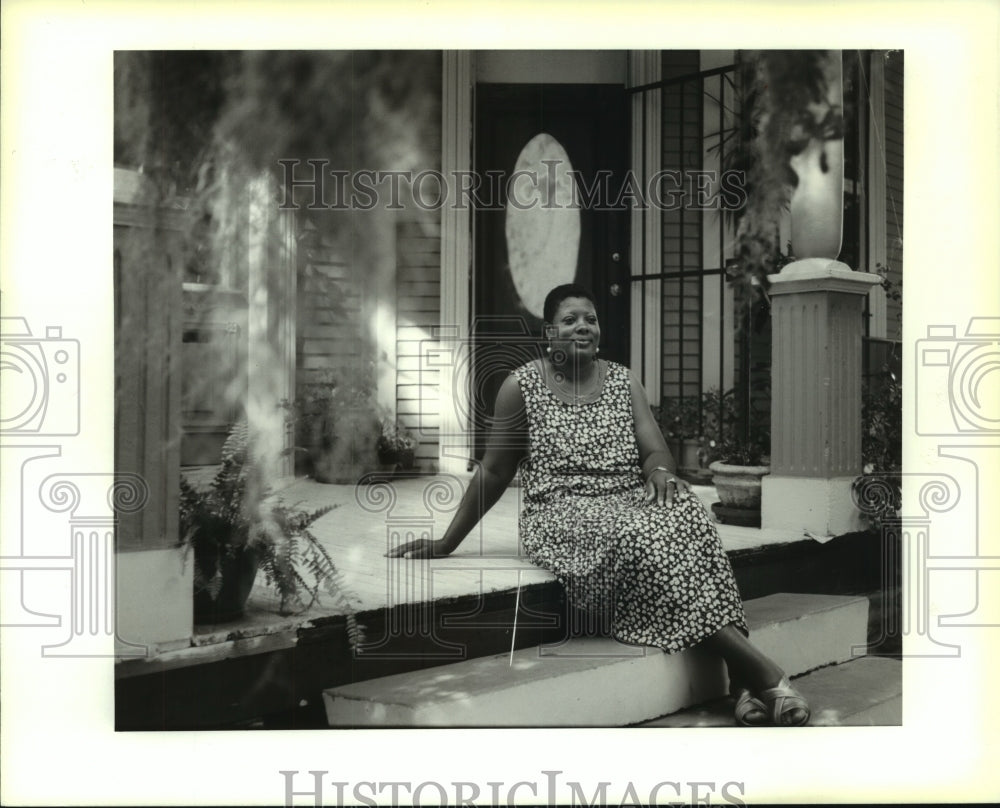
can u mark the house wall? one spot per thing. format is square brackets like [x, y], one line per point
[418, 311]
[329, 296]
[893, 66]
[332, 343]
[554, 67]
[369, 298]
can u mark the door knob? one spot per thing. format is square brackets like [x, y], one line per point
[616, 289]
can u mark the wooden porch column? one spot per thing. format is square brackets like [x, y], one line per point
[455, 436]
[152, 581]
[817, 311]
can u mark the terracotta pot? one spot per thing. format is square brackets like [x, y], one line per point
[738, 486]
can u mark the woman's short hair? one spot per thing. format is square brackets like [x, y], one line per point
[555, 297]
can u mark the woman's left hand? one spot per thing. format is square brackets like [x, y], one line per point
[662, 487]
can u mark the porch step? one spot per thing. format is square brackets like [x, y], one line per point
[864, 692]
[598, 682]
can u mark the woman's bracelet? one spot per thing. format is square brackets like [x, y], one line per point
[659, 468]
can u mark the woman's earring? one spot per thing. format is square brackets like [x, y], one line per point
[548, 349]
[597, 351]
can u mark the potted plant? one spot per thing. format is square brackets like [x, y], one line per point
[681, 424]
[396, 448]
[234, 528]
[878, 490]
[738, 454]
[336, 429]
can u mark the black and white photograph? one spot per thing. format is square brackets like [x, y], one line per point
[417, 418]
[473, 379]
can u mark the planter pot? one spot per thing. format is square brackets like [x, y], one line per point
[347, 451]
[817, 204]
[388, 459]
[239, 570]
[397, 460]
[738, 486]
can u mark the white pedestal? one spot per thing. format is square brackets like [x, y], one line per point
[820, 506]
[816, 309]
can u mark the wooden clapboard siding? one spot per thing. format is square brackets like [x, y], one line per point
[894, 183]
[329, 327]
[681, 231]
[418, 312]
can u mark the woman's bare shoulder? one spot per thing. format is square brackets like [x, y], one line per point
[509, 394]
[623, 370]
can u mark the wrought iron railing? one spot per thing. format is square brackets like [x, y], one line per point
[702, 345]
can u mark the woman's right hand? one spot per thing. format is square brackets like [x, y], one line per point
[420, 548]
[505, 447]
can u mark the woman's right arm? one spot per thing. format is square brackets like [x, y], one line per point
[506, 446]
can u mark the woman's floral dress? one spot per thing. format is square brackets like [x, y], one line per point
[659, 573]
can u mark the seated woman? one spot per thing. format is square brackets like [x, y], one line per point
[604, 512]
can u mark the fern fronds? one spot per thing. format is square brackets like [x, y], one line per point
[235, 510]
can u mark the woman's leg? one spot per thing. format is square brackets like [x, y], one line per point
[745, 661]
[748, 665]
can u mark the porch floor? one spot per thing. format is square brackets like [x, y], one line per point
[368, 520]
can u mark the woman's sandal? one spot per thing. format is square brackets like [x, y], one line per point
[750, 711]
[781, 701]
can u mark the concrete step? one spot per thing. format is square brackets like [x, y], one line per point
[598, 682]
[865, 692]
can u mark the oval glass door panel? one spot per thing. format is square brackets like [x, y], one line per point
[543, 221]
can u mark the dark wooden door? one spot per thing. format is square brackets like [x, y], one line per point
[583, 128]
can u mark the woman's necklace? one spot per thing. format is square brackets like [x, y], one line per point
[572, 390]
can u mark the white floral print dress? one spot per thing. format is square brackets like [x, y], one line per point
[661, 573]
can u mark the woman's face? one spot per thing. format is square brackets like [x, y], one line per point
[575, 330]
